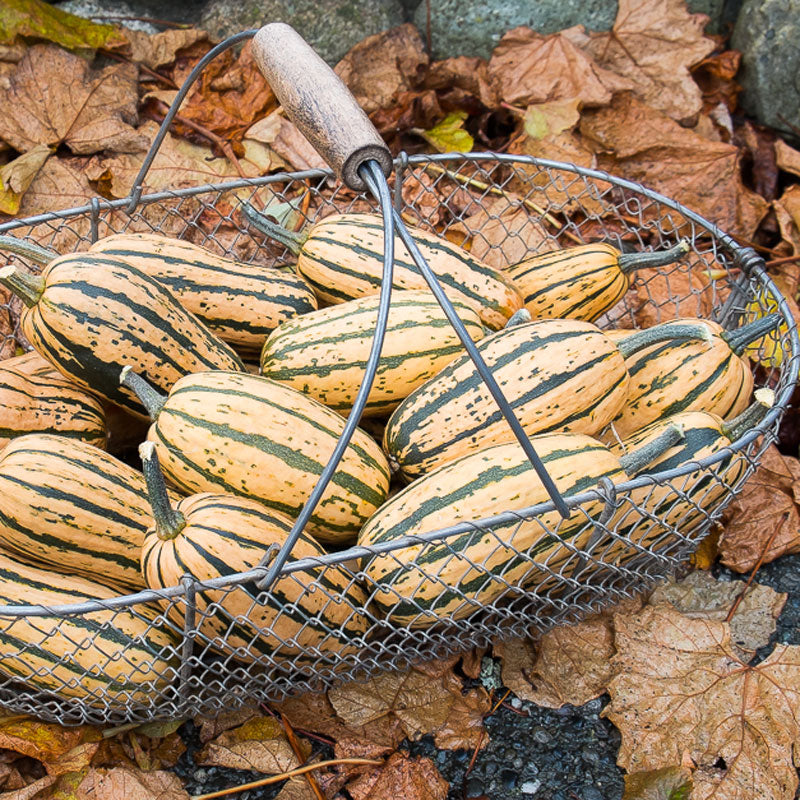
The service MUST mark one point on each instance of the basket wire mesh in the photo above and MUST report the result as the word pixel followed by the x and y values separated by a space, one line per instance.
pixel 630 535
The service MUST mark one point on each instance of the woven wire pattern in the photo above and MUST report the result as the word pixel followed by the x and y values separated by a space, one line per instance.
pixel 224 644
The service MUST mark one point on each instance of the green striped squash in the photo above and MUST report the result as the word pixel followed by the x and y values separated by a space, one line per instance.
pixel 342 258
pixel 421 584
pixel 702 375
pixel 212 535
pixel 558 375
pixel 30 363
pixel 41 402
pixel 324 354
pixel 74 508
pixel 241 303
pixel 90 316
pixel 582 282
pixel 252 437
pixel 104 656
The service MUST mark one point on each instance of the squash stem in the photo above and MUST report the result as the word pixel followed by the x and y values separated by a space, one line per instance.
pixel 663 333
pixel 519 317
pixel 739 338
pixel 152 400
pixel 25 285
pixel 169 521
pixel 628 262
pixel 30 250
pixel 737 427
pixel 635 461
pixel 294 241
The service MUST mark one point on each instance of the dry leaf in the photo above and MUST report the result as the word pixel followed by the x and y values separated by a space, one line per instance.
pixel 787 212
pixel 678 689
pixel 667 293
pixel 471 662
pixel 210 727
pixel 549 119
pixel 295 149
pixel 759 143
pixel 17 176
pixel 699 596
pixel 449 134
pixel 463 728
pixel 764 511
pixel 296 789
pixel 383 65
pixel 787 158
pixel 41 20
pixel 527 67
pixel 260 744
pixel 569 664
pixel 31 791
pixel 45 741
pixel 156 50
pixel 716 77
pixel 668 783
pixel 55 97
pixel 400 777
pixel 652 45
pixel 466 73
pixel 645 145
pixel 121 782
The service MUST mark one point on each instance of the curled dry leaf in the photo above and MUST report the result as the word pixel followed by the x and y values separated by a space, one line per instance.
pixel 156 50
pixel 471 74
pixel 699 596
pixel 679 689
pixel 17 176
pixel 715 76
pixel 527 67
pixel 765 510
pixel 260 744
pixel 787 212
pixel 759 143
pixel 400 777
pixel 383 65
pixel 652 45
pixel 637 142
pixel 45 741
pixel 294 148
pixel 55 97
pixel 38 790
pixel 787 158
pixel 210 727
pixel 121 782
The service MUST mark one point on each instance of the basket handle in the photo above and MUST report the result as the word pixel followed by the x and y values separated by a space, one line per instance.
pixel 319 103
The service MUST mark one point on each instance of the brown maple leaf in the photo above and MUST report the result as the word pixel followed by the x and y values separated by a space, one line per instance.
pixel 400 777
pixel 470 74
pixel 679 689
pixel 652 45
pixel 119 782
pixel 787 158
pixel 157 50
pixel 636 141
pixel 55 98
pixel 527 67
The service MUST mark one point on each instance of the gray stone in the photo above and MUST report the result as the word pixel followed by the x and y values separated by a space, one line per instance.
pixel 185 11
pixel 331 27
pixel 768 34
pixel 474 27
pixel 530 787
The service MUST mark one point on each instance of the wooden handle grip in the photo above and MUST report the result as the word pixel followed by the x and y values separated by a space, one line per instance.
pixel 317 101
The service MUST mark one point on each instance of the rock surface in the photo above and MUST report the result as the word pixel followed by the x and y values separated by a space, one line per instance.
pixel 768 34
pixel 332 27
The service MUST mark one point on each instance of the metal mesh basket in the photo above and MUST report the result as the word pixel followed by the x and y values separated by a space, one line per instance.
pixel 631 535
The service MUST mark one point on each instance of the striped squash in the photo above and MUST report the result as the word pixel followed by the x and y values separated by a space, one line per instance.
pixel 324 354
pixel 90 316
pixel 73 507
pixel 341 257
pixel 703 375
pixel 252 437
pixel 582 282
pixel 112 656
pixel 421 584
pixel 209 536
pixel 241 303
pixel 30 363
pixel 48 403
pixel 558 375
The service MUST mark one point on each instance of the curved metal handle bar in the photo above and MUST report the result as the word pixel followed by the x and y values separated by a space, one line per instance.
pixel 231 41
pixel 372 174
pixel 480 365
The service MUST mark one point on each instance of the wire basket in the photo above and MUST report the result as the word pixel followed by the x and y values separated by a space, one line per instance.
pixel 628 541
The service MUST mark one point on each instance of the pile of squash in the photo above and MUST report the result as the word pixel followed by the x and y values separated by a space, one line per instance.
pixel 149 338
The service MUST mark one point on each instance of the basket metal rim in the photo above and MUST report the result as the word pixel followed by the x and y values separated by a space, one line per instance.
pixel 751 266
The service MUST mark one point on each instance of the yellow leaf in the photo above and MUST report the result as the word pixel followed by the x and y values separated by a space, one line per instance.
pixel 449 134
pixel 550 119
pixel 17 176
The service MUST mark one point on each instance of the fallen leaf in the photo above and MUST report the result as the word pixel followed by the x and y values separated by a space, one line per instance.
pixel 30 791
pixel 156 50
pixel 295 149
pixel 667 293
pixel 76 760
pixel 260 744
pixel 787 212
pixel 17 176
pixel 549 119
pixel 383 65
pixel 296 789
pixel 412 110
pixel 471 74
pixel 41 20
pixel 463 728
pixel 707 551
pixel 644 145
pixel 527 68
pixel 45 741
pixel 787 158
pixel 210 727
pixel 569 663
pixel 121 782
pixel 471 662
pixel 700 596
pixel 652 45
pixel 449 134
pixel 678 688
pixel 716 77
pixel 764 511
pixel 758 143
pixel 55 97
pixel 424 202
pixel 401 777
pixel 668 783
